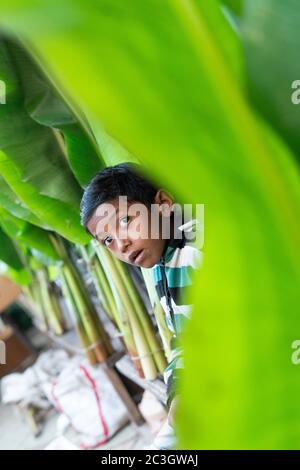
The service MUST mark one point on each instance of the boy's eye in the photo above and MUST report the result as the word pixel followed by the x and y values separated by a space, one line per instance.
pixel 106 241
pixel 124 220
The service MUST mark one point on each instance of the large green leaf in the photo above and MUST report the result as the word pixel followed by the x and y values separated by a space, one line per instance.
pixel 236 6
pixel 9 254
pixel 21 277
pixel 47 107
pixel 30 235
pixel 12 261
pixel 164 78
pixel 32 161
pixel 272 43
pixel 111 150
pixel 10 201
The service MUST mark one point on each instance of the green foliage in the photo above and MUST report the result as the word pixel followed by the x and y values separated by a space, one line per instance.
pixel 32 161
pixel 166 79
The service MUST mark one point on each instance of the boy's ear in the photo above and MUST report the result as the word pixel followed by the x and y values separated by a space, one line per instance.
pixel 165 201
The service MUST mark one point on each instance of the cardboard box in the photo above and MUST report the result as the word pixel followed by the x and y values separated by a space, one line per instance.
pixel 9 292
pixel 16 352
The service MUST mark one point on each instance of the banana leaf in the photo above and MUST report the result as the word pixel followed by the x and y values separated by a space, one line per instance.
pixel 21 277
pixel 47 107
pixel 166 79
pixel 32 161
pixel 12 204
pixel 271 40
pixel 9 253
pixel 28 234
pixel 236 6
pixel 11 262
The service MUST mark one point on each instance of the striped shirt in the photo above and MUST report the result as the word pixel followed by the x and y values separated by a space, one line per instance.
pixel 171 275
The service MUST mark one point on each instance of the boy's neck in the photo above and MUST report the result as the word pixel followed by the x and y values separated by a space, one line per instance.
pixel 177 238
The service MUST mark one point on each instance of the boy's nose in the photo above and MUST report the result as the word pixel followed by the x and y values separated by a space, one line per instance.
pixel 122 244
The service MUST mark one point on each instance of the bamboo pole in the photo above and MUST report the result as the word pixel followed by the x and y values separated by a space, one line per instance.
pixel 144 354
pixel 144 317
pixel 77 320
pixel 164 331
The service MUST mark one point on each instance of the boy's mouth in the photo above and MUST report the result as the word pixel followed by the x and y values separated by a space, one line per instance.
pixel 137 256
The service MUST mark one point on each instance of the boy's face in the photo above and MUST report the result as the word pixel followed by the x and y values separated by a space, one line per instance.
pixel 130 230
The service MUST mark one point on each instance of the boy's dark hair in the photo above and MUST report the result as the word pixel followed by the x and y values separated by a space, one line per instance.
pixel 124 179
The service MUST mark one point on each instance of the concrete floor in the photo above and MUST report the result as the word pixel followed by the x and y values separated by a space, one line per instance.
pixel 15 434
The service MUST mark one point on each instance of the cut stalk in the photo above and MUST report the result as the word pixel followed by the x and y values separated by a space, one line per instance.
pixel 143 350
pixel 77 320
pixel 164 331
pixel 93 267
pixel 89 317
pixel 85 315
pixel 37 306
pixel 47 303
pixel 145 320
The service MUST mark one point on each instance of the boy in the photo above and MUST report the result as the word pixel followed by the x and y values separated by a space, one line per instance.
pixel 141 225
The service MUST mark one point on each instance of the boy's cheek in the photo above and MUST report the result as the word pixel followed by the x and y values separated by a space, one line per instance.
pixel 138 231
pixel 156 248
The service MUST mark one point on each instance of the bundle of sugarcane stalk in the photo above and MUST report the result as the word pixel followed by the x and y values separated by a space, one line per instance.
pixel 46 303
pixel 128 312
pixel 116 291
pixel 88 324
pixel 158 311
pixel 41 289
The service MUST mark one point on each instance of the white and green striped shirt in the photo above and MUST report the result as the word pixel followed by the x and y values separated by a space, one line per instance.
pixel 171 275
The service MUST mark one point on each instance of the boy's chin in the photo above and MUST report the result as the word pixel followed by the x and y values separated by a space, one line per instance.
pixel 148 263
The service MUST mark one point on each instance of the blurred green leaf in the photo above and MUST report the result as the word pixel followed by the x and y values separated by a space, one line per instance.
pixel 166 80
pixel 272 43
pixel 42 259
pixel 236 6
pixel 21 277
pixel 8 253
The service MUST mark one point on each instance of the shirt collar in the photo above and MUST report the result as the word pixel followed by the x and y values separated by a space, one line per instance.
pixel 178 241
